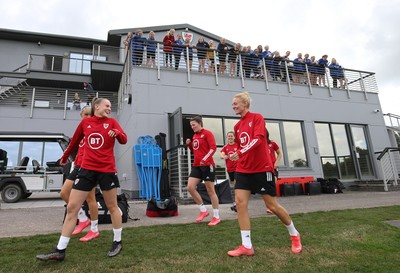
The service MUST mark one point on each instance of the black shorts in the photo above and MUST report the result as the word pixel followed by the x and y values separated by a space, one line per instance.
pixel 206 173
pixel 151 54
pixel 231 176
pixel 86 180
pixel 262 183
pixel 72 175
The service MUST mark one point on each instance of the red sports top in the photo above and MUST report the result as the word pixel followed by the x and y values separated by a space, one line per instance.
pixel 203 146
pixel 272 147
pixel 253 155
pixel 229 149
pixel 99 147
pixel 79 154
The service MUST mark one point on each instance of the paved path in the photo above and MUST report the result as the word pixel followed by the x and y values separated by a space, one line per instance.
pixel 42 213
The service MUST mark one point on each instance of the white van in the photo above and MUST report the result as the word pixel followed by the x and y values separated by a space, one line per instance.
pixel 28 164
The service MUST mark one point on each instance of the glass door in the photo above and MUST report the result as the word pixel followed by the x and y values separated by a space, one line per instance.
pixel 362 152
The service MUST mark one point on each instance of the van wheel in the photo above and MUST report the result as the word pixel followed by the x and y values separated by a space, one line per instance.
pixel 11 193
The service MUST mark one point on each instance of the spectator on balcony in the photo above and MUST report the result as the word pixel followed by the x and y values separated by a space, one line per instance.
pixel 188 52
pixel 90 92
pixel 128 39
pixel 255 63
pixel 202 47
pixel 178 49
pixel 313 69
pixel 289 65
pixel 246 61
pixel 211 57
pixel 336 72
pixel 322 64
pixel 138 43
pixel 232 58
pixel 268 58
pixel 276 64
pixel 151 50
pixel 168 40
pixel 76 102
pixel 307 62
pixel 298 66
pixel 222 51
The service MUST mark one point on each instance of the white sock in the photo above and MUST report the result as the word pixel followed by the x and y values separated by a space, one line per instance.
pixel 62 242
pixel 203 208
pixel 292 230
pixel 94 226
pixel 117 234
pixel 82 215
pixel 246 240
pixel 216 213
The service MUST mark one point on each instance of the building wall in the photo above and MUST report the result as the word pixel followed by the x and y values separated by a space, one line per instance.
pixel 153 100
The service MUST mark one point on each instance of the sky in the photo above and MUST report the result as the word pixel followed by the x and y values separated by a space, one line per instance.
pixel 361 35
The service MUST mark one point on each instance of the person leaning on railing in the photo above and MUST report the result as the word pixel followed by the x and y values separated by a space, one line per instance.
pixel 211 57
pixel 138 43
pixel 168 40
pixel 178 49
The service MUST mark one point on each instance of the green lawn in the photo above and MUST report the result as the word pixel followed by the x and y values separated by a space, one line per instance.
pixel 356 240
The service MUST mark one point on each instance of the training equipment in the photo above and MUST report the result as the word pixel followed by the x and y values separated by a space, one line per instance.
pixel 222 189
pixel 104 214
pixel 240 251
pixel 148 167
pixel 166 208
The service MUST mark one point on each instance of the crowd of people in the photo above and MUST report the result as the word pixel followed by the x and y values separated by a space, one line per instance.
pixel 252 161
pixel 235 61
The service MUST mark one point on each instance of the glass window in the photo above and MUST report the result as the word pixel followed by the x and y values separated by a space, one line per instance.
pixel 12 148
pixel 295 144
pixel 275 135
pixel 345 160
pixel 360 142
pixel 215 126
pixel 52 152
pixel 33 150
pixel 230 124
pixel 80 63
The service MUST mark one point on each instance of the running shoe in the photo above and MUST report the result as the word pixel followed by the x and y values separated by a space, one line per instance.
pixel 81 226
pixel 269 211
pixel 202 215
pixel 89 236
pixel 214 221
pixel 233 208
pixel 296 243
pixel 115 249
pixel 53 255
pixel 240 251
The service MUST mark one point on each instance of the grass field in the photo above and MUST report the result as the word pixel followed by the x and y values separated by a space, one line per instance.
pixel 355 240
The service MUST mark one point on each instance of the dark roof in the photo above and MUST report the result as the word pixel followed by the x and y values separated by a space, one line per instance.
pixel 18 35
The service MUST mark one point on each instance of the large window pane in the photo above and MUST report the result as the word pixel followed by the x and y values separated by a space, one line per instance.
pixel 346 163
pixel 275 135
pixel 229 124
pixel 52 152
pixel 362 149
pixel 295 144
pixel 12 148
pixel 215 126
pixel 324 140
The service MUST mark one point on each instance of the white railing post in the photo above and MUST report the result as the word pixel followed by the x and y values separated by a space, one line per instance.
pixel 287 77
pixel 215 67
pixel 66 103
pixel 241 70
pixel 265 74
pixel 308 79
pixel 33 101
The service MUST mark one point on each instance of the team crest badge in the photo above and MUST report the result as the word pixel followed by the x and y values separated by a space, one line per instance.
pixel 105 125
